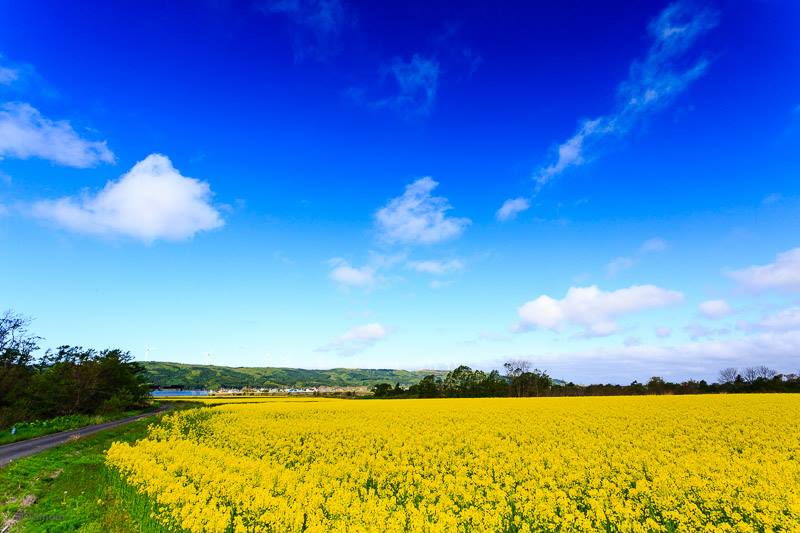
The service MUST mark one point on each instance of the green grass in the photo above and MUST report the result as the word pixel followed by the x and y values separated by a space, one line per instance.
pixel 38 428
pixel 73 489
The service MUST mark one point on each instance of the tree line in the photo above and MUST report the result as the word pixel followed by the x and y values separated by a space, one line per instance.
pixel 520 379
pixel 68 380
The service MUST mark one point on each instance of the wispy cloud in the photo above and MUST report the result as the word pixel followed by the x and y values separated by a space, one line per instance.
pixel 655 244
pixel 418 217
pixel 413 85
pixel 356 339
pixel 653 83
pixel 620 264
pixel 367 276
pixel 152 201
pixel 511 208
pixel 435 267
pixel 8 75
pixel 25 133
pixel 316 25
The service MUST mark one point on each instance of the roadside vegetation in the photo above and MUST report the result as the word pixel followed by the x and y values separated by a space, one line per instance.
pixel 65 382
pixel 68 488
pixel 48 426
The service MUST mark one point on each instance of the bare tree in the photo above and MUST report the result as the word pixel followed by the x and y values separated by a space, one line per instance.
pixel 728 375
pixel 15 340
pixel 749 374
pixel 516 367
pixel 764 372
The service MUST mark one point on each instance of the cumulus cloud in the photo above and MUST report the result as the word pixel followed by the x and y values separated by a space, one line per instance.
pixel 152 201
pixel 715 308
pixel 351 276
pixel 437 268
pixel 782 274
pixel 511 208
pixel 25 133
pixel 316 25
pixel 417 217
pixel 593 309
pixel 356 340
pixel 652 84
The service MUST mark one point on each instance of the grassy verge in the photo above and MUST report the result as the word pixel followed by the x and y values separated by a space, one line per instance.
pixel 38 428
pixel 68 488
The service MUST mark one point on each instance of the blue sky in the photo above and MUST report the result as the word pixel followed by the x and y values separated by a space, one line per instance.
pixel 610 191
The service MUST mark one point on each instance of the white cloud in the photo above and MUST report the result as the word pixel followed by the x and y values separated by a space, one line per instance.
pixel 352 276
pixel 416 217
pixel 695 360
pixel 592 308
pixel 715 308
pixel 25 133
pixel 437 268
pixel 152 201
pixel 656 244
pixel 356 339
pixel 784 320
pixel 618 265
pixel 662 332
pixel 782 274
pixel 511 208
pixel 438 284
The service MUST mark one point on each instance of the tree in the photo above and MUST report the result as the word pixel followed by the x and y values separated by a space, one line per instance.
pixel 428 387
pixel 656 385
pixel 382 390
pixel 515 368
pixel 17 347
pixel 728 375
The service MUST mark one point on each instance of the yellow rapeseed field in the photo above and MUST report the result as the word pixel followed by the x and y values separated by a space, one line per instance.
pixel 689 463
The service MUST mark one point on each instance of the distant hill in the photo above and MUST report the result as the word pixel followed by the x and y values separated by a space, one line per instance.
pixel 214 377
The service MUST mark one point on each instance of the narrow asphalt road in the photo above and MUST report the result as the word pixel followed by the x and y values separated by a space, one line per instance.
pixel 24 448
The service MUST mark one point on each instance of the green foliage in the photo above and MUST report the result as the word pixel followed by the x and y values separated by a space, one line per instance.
pixel 213 377
pixel 70 380
pixel 72 488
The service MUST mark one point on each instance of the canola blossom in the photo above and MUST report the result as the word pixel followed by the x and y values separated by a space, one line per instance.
pixel 688 463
